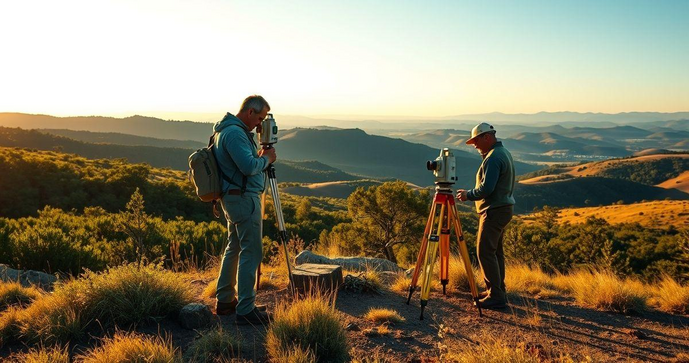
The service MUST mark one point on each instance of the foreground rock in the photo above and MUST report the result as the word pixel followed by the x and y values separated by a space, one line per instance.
pixel 195 316
pixel 27 277
pixel 348 263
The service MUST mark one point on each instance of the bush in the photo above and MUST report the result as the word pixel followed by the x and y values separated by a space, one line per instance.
pixel 216 345
pixel 13 293
pixel 311 325
pixel 133 348
pixel 121 296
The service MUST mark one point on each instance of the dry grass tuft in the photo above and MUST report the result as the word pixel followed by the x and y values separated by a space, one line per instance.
pixel 216 345
pixel 369 280
pixel 604 291
pixel 384 316
pixel 210 290
pixel 9 327
pixel 504 349
pixel 401 283
pixel 523 279
pixel 310 324
pixel 672 297
pixel 44 355
pixel 457 274
pixel 121 296
pixel 133 348
pixel 13 293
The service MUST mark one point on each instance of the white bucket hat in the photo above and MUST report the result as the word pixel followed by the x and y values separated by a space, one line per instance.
pixel 479 130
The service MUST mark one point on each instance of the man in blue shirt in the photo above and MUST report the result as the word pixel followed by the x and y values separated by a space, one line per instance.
pixel 243 164
pixel 494 199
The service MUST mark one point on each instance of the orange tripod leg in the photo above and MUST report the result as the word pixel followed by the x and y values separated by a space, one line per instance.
pixel 465 256
pixel 422 252
pixel 445 250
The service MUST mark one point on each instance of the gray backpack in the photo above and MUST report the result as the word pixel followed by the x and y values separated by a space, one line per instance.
pixel 206 176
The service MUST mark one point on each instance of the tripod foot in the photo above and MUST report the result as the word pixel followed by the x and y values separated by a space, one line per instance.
pixel 421 317
pixel 411 291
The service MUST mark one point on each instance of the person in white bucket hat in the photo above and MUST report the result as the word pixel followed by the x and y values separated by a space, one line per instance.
pixel 494 199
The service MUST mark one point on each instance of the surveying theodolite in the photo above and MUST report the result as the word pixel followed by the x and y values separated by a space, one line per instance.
pixel 267 136
pixel 442 218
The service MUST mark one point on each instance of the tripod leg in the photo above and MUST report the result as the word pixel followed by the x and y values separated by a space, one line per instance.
pixel 465 257
pixel 445 251
pixel 282 232
pixel 422 252
pixel 429 261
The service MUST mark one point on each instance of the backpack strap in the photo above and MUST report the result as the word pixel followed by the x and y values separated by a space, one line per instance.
pixel 211 141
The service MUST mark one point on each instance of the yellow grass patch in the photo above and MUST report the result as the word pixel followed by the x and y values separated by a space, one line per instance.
pixel 382 315
pixel 656 214
pixel 133 348
pixel 604 291
pixel 528 280
pixel 44 355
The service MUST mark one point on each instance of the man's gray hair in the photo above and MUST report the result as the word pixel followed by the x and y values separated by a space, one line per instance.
pixel 256 102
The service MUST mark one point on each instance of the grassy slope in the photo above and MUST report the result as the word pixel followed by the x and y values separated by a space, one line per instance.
pixel 656 214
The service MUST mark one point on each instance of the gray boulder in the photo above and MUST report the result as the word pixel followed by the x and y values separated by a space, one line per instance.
pixel 348 263
pixel 27 277
pixel 195 316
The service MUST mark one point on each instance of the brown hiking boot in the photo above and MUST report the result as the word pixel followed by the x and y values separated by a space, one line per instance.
pixel 254 317
pixel 230 308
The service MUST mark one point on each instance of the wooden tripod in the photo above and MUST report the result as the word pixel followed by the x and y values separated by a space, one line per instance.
pixel 436 236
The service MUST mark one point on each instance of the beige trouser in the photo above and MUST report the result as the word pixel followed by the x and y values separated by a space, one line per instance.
pixel 491 228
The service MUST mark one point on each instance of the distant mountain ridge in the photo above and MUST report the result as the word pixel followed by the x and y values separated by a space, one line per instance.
pixel 357 152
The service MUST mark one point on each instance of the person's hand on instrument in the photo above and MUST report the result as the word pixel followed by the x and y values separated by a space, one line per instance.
pixel 462 195
pixel 270 153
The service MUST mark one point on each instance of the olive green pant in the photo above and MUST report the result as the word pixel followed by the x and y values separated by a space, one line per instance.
pixel 491 229
pixel 244 251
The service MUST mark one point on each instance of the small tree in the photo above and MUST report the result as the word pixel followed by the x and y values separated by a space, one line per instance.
pixel 135 223
pixel 389 214
pixel 304 209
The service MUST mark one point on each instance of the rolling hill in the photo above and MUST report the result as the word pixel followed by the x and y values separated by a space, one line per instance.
pixel 123 139
pixel 134 125
pixel 589 191
pixel 174 158
pixel 651 169
pixel 357 152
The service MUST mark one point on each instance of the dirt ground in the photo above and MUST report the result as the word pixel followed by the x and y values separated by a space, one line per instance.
pixel 452 323
pixel 554 323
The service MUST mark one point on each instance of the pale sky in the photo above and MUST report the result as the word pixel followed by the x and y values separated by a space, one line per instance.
pixel 409 58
